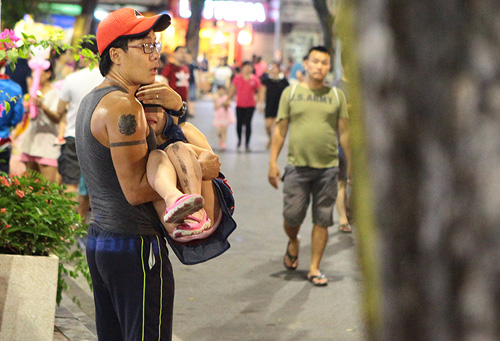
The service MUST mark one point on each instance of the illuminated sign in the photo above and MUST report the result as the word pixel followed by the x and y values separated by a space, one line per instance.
pixel 227 10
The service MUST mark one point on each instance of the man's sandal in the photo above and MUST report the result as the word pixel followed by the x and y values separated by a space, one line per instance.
pixel 316 280
pixel 345 228
pixel 183 206
pixel 292 259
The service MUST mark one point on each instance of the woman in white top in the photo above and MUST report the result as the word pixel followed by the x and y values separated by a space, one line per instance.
pixel 38 149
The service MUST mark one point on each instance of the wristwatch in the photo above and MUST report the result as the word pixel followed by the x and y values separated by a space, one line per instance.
pixel 181 112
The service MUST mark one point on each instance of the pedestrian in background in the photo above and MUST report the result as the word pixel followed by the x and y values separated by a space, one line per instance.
pixel 222 75
pixel 312 113
pixel 75 86
pixel 223 115
pixel 245 86
pixel 273 87
pixel 37 148
pixel 177 74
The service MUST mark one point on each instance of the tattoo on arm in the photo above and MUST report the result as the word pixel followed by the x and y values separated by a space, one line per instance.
pixel 127 124
pixel 129 143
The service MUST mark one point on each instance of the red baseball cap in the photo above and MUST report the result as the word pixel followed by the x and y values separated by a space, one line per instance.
pixel 127 22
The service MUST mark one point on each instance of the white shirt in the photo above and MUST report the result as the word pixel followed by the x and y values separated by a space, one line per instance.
pixel 222 73
pixel 76 86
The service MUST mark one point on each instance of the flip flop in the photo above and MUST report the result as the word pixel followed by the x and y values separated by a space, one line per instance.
pixel 315 280
pixel 183 206
pixel 346 228
pixel 292 259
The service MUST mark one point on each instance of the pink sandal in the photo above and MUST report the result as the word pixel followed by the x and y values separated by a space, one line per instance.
pixel 188 230
pixel 203 234
pixel 183 206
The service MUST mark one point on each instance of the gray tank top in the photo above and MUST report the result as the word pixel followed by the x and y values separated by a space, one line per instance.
pixel 110 209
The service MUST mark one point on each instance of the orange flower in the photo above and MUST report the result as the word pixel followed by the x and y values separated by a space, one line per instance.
pixel 3 210
pixel 7 226
pixel 20 193
pixel 30 187
pixel 4 181
pixel 15 181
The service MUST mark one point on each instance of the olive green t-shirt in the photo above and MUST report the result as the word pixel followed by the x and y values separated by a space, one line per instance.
pixel 313 119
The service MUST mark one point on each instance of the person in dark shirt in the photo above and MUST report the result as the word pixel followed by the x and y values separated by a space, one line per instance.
pixel 274 85
pixel 20 74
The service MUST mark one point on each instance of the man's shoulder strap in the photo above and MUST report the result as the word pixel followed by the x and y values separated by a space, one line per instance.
pixel 334 89
pixel 292 91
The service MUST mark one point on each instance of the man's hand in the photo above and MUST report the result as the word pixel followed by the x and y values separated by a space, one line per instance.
pixel 160 94
pixel 210 165
pixel 274 176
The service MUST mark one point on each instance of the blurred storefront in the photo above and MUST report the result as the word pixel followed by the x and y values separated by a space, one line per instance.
pixel 273 29
pixel 231 29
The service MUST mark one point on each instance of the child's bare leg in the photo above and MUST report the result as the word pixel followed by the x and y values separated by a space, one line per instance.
pixel 212 204
pixel 188 169
pixel 162 178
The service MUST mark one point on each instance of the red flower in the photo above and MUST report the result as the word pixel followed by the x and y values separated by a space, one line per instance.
pixel 7 226
pixel 5 182
pixel 15 181
pixel 20 193
pixel 3 210
pixel 30 187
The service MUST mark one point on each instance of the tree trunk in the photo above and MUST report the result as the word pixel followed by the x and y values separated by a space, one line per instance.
pixel 193 30
pixel 326 20
pixel 85 22
pixel 430 78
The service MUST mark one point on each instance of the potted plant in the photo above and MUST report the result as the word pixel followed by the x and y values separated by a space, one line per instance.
pixel 38 225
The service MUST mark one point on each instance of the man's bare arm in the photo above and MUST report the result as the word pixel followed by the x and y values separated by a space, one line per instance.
pixel 127 134
pixel 276 145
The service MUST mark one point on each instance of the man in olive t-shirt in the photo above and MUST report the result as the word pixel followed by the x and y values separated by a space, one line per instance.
pixel 312 113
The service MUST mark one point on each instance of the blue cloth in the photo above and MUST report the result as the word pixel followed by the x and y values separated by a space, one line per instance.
pixel 10 92
pixel 296 67
pixel 199 251
pixel 172 132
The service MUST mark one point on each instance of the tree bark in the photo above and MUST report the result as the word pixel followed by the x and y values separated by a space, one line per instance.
pixel 193 30
pixel 430 78
pixel 85 22
pixel 326 19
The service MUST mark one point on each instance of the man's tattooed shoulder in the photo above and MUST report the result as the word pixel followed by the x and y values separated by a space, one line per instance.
pixel 127 124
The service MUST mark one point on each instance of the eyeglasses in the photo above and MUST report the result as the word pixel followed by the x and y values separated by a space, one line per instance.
pixel 148 48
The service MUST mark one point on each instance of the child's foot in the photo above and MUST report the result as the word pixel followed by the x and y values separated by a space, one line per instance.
pixel 191 227
pixel 183 206
pixel 222 145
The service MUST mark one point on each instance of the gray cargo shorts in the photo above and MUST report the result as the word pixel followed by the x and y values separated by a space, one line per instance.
pixel 302 183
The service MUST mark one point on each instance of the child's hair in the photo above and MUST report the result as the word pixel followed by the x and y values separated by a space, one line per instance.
pixel 221 87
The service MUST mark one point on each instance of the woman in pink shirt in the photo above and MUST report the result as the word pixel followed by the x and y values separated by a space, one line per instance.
pixel 245 86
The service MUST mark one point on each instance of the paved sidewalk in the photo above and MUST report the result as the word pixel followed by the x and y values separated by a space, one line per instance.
pixel 246 294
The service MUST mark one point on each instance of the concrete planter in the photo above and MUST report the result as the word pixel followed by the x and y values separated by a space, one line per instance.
pixel 28 287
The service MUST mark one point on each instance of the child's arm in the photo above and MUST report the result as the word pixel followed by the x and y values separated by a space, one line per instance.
pixel 209 162
pixel 62 128
pixel 195 137
pixel 215 103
